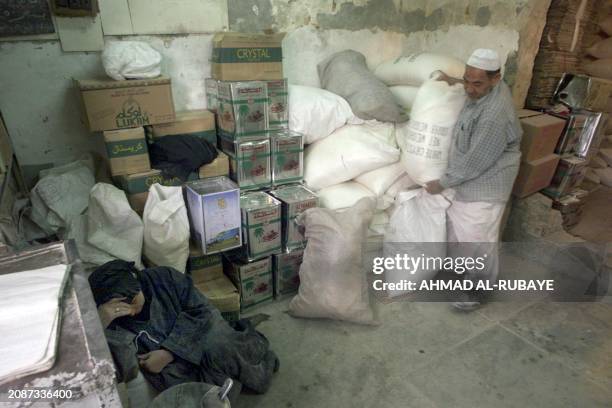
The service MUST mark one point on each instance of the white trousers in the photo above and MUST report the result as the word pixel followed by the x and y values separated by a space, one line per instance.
pixel 473 231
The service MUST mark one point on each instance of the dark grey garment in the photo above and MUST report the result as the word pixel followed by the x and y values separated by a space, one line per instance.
pixel 178 318
pixel 346 74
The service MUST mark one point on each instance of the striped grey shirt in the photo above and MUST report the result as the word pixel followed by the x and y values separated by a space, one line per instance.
pixel 485 150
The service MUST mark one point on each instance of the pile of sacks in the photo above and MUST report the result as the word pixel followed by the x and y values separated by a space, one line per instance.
pixel 359 143
pixel 67 202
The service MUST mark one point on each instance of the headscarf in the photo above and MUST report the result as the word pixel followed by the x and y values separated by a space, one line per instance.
pixel 114 279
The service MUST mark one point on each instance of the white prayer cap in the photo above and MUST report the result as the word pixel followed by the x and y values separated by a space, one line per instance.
pixel 484 58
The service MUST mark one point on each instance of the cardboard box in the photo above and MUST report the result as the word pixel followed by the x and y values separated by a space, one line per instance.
pixel 569 174
pixel 242 109
pixel 541 133
pixel 136 186
pixel 214 214
pixel 200 123
pixel 243 57
pixel 202 267
pixel 535 175
pixel 278 105
pixel 113 104
pixel 127 151
pixel 295 200
pixel 287 159
pixel 250 163
pixel 261 225
pixel 216 168
pixel 253 280
pixel 286 268
pixel 583 92
pixel 223 295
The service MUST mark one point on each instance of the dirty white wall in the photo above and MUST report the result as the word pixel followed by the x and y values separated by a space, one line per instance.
pixel 41 108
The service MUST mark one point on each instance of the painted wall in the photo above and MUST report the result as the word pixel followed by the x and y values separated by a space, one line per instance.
pixel 40 105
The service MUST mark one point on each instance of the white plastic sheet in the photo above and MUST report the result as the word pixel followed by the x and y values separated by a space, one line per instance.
pixel 130 60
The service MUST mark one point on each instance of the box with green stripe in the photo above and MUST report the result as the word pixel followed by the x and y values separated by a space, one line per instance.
pixel 242 108
pixel 287 157
pixel 247 56
pixel 261 225
pixel 127 151
pixel 198 123
pixel 250 164
pixel 278 106
pixel 295 199
pixel 253 279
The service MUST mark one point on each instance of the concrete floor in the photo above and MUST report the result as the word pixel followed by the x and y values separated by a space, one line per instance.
pixel 523 354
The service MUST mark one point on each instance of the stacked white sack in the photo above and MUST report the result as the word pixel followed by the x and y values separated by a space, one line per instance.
pixel 349 152
pixel 415 69
pixel 316 113
pixel 404 95
pixel 425 140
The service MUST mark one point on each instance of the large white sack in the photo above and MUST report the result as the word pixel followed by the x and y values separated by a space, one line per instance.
pixel 316 113
pixel 378 181
pixel 332 276
pixel 112 224
pixel 605 176
pixel 426 139
pixel 346 73
pixel 343 195
pixel 166 227
pixel 415 69
pixel 404 95
pixel 130 60
pixel 348 152
pixel 61 194
pixel 417 228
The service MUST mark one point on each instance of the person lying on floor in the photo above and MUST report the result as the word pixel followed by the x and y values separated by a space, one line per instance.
pixel 157 320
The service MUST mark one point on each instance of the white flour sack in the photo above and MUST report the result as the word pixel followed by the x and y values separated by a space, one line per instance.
pixel 317 113
pixel 425 140
pixel 404 95
pixel 348 152
pixel 415 69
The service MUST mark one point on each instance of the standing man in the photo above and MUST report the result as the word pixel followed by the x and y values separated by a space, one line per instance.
pixel 483 163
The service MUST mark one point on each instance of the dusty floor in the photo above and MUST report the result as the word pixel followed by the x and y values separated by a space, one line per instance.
pixel 522 354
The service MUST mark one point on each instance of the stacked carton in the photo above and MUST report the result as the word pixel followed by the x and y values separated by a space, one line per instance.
pixel 126 112
pixel 249 96
pixel 538 160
